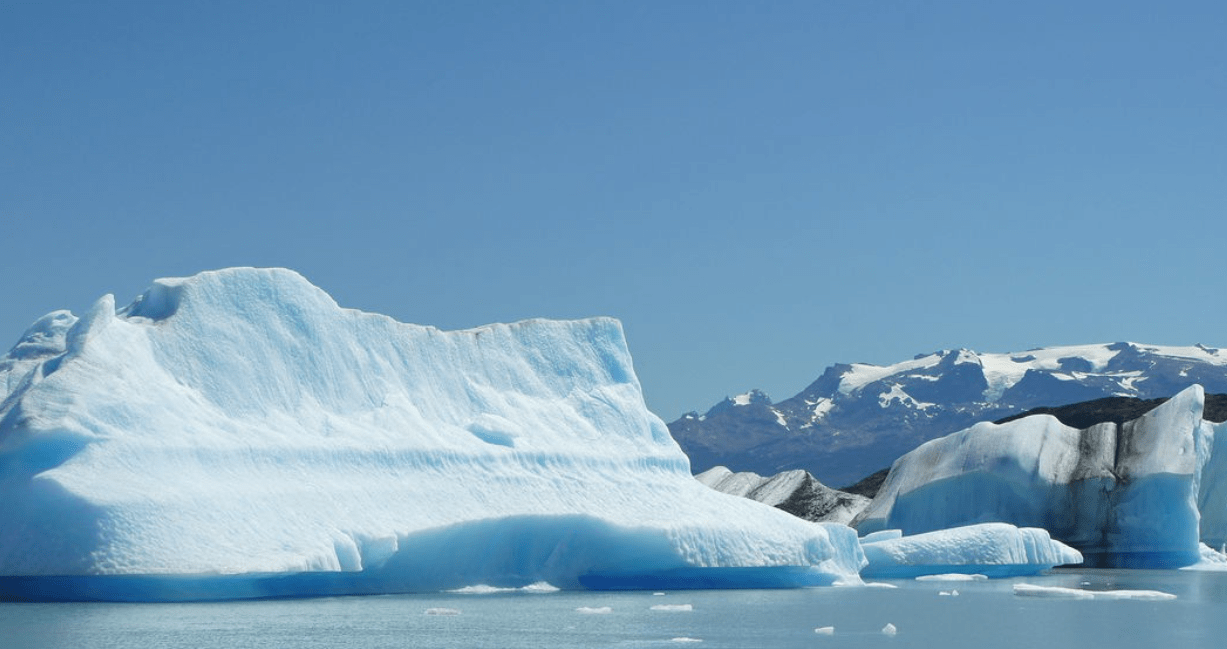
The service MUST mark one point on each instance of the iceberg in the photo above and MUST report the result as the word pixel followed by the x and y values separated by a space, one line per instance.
pixel 1137 495
pixel 237 434
pixel 970 552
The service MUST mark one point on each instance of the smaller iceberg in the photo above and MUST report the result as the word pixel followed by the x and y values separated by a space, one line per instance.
pixel 991 549
pixel 1059 592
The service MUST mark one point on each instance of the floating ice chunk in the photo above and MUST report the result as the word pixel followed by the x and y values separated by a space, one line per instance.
pixel 889 629
pixel 879 584
pixel 1136 495
pixel 825 630
pixel 685 639
pixel 238 434
pixel 949 593
pixel 594 610
pixel 989 549
pixel 442 611
pixel 1059 592
pixel 539 587
pixel 673 608
pixel 952 576
pixel 657 594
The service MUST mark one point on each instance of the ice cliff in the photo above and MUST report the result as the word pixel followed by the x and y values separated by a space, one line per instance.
pixel 237 434
pixel 1140 494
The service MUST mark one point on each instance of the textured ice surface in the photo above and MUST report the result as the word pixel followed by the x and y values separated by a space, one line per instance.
pixel 237 434
pixel 1126 496
pixel 988 549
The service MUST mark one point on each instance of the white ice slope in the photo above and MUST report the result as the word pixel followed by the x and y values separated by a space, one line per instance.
pixel 240 429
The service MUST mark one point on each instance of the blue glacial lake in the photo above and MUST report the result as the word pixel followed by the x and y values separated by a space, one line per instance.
pixel 983 614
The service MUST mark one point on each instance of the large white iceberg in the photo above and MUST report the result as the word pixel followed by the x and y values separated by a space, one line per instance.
pixel 1139 494
pixel 989 549
pixel 237 434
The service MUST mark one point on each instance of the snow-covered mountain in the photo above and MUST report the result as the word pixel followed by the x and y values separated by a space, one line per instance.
pixel 238 434
pixel 797 492
pixel 857 419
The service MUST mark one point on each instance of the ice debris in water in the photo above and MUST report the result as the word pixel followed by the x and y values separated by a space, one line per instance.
pixel 1059 592
pixel 686 639
pixel 594 610
pixel 674 608
pixel 952 577
pixel 825 630
pixel 442 611
pixel 889 629
pixel 539 587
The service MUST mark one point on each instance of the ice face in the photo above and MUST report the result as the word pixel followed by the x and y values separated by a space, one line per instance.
pixel 988 549
pixel 1126 496
pixel 238 434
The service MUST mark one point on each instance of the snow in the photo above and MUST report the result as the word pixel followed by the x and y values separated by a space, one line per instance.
pixel 1125 496
pixel 896 393
pixel 1002 371
pixel 1060 592
pixel 862 374
pixel 809 498
pixel 987 549
pixel 241 432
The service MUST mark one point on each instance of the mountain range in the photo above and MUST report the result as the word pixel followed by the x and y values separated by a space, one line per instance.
pixel 858 418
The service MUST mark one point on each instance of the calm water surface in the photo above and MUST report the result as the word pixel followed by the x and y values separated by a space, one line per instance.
pixel 984 614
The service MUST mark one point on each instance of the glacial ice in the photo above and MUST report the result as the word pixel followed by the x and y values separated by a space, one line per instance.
pixel 1061 592
pixel 237 434
pixel 1136 495
pixel 988 549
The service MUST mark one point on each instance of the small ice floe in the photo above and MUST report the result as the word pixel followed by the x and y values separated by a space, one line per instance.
pixel 594 610
pixel 1031 590
pixel 658 594
pixel 442 611
pixel 889 629
pixel 879 584
pixel 953 576
pixel 825 630
pixel 685 639
pixel 483 589
pixel 673 608
pixel 949 593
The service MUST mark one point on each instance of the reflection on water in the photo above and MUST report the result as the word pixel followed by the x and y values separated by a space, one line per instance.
pixel 984 614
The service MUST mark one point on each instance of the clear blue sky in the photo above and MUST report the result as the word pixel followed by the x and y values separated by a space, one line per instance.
pixel 758 190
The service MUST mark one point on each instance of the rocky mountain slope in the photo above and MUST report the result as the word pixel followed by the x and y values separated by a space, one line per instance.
pixel 858 418
pixel 796 492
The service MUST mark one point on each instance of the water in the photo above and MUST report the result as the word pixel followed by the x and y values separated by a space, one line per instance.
pixel 985 614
